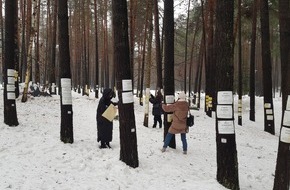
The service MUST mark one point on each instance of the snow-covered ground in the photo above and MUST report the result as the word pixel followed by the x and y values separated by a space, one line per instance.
pixel 33 157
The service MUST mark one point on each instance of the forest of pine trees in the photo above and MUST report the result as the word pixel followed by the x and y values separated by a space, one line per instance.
pixel 216 47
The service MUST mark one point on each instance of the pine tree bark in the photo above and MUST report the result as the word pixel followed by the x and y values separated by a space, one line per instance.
pixel 132 17
pixel 210 64
pixel 198 76
pixel 159 84
pixel 139 70
pixel 185 50
pixel 23 4
pixel 102 66
pixel 17 92
pixel 144 54
pixel 169 88
pixel 203 57
pixel 37 49
pixel 2 43
pixel 211 58
pixel 106 47
pixel 191 62
pixel 269 124
pixel 148 62
pixel 31 25
pixel 27 38
pixel 47 43
pixel 240 86
pixel 10 113
pixel 128 137
pixel 85 49
pixel 66 125
pixel 282 174
pixel 253 62
pixel 96 52
pixel 78 50
pixel 52 73
pixel 227 161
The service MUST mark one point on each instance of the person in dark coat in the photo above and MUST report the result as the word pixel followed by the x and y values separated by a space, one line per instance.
pixel 34 90
pixel 104 126
pixel 157 110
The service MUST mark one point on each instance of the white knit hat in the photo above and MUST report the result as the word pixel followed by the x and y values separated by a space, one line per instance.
pixel 181 95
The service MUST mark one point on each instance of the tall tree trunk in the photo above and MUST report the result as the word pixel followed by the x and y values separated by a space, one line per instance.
pixel 2 44
pixel 132 17
pixel 128 137
pixel 282 174
pixel 190 77
pixel 34 37
pixel 73 42
pixel 83 44
pixel 37 48
pixel 148 62
pixel 159 84
pixel 106 46
pixel 185 51
pixel 269 124
pixel 48 44
pixel 275 75
pixel 252 62
pixel 144 54
pixel 85 50
pixel 198 76
pixel 210 65
pixel 200 72
pixel 16 67
pixel 10 113
pixel 227 161
pixel 212 53
pixel 102 73
pixel 52 78
pixel 259 73
pixel 191 57
pixel 96 52
pixel 139 70
pixel 169 88
pixel 79 48
pixel 240 88
pixel 191 62
pixel 23 64
pixel 88 36
pixel 31 32
pixel 66 125
pixel 205 58
pixel 87 44
pixel 27 37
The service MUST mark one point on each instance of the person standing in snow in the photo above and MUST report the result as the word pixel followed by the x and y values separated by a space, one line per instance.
pixel 178 126
pixel 104 126
pixel 157 110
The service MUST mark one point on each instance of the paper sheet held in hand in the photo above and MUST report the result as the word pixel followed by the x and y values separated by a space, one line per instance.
pixel 110 112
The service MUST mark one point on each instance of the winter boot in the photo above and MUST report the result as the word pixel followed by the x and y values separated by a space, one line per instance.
pixel 103 145
pixel 108 144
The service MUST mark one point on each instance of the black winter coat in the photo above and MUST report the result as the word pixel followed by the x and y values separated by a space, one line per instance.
pixel 156 101
pixel 104 126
